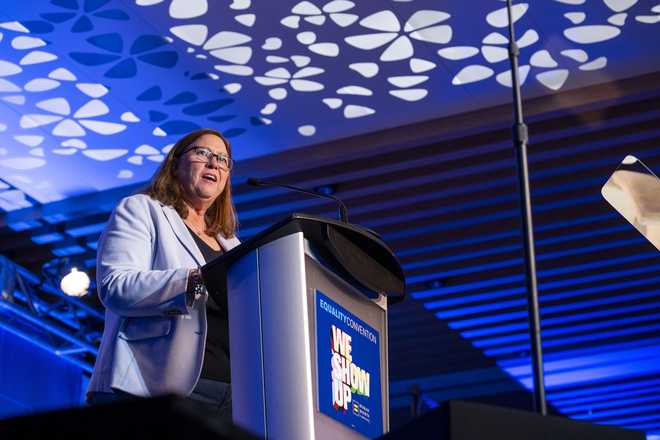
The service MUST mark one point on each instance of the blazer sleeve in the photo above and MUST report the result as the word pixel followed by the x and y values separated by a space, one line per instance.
pixel 126 283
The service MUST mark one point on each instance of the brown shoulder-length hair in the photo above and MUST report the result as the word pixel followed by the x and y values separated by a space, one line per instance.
pixel 165 187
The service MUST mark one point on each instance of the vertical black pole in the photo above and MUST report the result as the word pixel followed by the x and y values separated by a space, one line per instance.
pixel 520 144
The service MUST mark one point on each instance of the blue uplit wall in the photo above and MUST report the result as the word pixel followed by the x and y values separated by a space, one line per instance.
pixel 33 379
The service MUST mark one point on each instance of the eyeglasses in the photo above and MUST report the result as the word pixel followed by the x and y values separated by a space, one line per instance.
pixel 225 162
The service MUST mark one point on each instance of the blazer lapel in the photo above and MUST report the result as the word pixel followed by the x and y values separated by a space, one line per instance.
pixel 181 231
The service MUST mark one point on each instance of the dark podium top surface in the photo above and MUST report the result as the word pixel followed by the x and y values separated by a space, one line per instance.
pixel 357 254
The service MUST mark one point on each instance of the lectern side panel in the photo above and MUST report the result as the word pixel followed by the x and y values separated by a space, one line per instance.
pixel 246 345
pixel 286 341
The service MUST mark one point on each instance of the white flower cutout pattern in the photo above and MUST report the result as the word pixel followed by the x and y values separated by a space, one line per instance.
pixel 281 75
pixel 422 25
pixel 180 9
pixel 309 12
pixel 58 110
pixel 653 18
pixel 226 46
pixel 327 49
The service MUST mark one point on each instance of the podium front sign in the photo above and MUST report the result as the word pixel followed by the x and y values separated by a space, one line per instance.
pixel 348 352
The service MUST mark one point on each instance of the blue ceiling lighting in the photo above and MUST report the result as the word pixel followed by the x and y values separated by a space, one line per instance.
pixel 24 226
pixel 69 250
pixel 47 238
pixel 86 230
pixel 326 189
pixel 56 218
pixel 500 330
pixel 457 385
pixel 85 86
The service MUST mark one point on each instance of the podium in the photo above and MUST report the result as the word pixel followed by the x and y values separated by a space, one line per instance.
pixel 307 302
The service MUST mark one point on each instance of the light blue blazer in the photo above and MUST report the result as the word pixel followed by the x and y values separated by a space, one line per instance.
pixel 153 343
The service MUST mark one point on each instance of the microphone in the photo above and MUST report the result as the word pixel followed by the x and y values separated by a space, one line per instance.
pixel 343 212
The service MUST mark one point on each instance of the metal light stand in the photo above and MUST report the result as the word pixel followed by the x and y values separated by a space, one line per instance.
pixel 520 138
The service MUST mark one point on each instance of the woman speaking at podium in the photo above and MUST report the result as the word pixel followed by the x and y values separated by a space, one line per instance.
pixel 163 333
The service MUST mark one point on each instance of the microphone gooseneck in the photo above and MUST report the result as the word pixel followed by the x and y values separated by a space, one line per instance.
pixel 343 212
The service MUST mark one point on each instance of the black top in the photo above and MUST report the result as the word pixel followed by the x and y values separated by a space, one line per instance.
pixel 216 353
